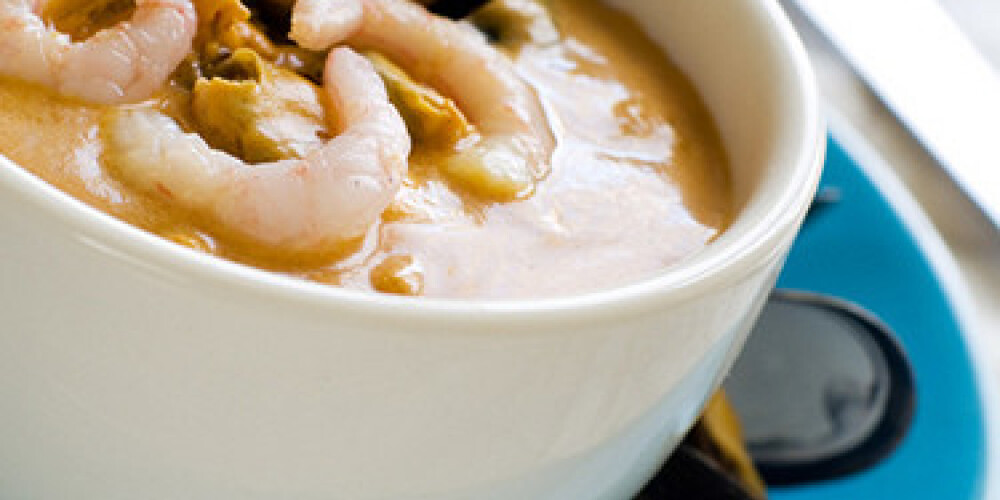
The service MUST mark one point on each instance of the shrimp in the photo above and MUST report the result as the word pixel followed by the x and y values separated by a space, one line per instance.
pixel 454 58
pixel 294 207
pixel 125 63
pixel 319 24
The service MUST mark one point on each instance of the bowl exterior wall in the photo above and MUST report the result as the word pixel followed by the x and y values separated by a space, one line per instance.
pixel 118 379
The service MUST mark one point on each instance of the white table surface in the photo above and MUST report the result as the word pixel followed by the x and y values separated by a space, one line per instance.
pixel 973 241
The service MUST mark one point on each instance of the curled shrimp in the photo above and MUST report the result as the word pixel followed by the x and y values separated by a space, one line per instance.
pixel 319 24
pixel 125 63
pixel 454 58
pixel 311 205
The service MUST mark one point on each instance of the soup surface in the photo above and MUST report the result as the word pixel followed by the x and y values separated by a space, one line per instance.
pixel 637 180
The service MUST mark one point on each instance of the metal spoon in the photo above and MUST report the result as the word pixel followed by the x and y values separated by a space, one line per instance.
pixel 823 389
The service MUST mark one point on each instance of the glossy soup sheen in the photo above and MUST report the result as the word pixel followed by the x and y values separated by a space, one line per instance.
pixel 638 181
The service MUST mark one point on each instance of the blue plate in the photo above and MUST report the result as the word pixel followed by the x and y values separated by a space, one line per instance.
pixel 861 250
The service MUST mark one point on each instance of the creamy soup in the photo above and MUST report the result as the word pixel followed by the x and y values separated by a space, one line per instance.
pixel 636 179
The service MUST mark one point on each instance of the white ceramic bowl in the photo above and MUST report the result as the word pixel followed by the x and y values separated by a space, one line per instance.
pixel 134 369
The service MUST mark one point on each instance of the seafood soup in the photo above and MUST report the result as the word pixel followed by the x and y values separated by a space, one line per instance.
pixel 537 148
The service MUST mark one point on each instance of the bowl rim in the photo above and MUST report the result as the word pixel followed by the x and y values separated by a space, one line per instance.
pixel 692 277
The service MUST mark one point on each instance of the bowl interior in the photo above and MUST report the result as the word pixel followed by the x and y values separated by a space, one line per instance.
pixel 746 62
pixel 750 68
